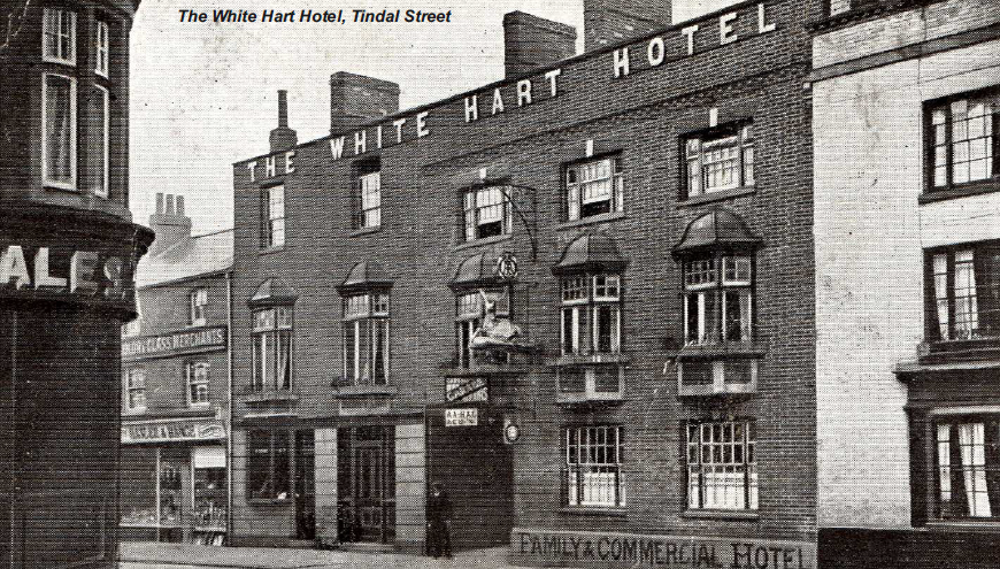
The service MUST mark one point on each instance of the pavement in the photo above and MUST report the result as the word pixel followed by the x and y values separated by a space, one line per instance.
pixel 136 555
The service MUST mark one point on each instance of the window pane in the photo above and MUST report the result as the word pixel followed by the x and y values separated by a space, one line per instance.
pixel 60 130
pixel 966 306
pixel 99 144
pixel 941 295
pixel 259 464
pixel 725 475
pixel 282 466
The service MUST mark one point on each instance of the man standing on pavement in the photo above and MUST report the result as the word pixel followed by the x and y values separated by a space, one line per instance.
pixel 438 522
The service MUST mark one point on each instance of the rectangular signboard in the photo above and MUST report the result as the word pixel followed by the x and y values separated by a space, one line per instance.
pixel 175 343
pixel 467 417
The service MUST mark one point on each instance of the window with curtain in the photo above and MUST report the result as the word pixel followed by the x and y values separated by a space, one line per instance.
pixel 965 292
pixel 963 141
pixel 59 131
pixel 591 314
pixel 717 300
pixel 594 187
pixel 968 468
pixel 366 338
pixel 592 475
pixel 272 349
pixel 722 469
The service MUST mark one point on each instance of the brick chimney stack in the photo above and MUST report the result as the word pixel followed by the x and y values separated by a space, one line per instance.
pixel 355 99
pixel 283 138
pixel 608 22
pixel 531 42
pixel 169 223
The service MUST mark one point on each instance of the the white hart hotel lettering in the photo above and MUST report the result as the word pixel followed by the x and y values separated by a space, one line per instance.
pixel 522 93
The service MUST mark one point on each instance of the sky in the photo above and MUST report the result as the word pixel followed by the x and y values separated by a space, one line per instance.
pixel 204 95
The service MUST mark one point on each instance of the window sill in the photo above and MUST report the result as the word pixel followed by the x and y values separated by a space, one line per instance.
pixel 60 187
pixel 570 360
pixel 481 242
pixel 365 231
pixel 268 501
pixel 971 189
pixel 574 399
pixel 594 511
pixel 716 196
pixel 973 526
pixel 736 515
pixel 271 395
pixel 356 391
pixel 271 250
pixel 600 218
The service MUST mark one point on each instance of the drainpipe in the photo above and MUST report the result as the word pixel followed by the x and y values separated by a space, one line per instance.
pixel 229 406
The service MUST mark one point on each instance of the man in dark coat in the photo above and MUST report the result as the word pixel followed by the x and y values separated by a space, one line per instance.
pixel 438 522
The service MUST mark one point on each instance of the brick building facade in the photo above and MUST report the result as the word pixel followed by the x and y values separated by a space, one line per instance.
pixel 175 386
pixel 68 250
pixel 652 365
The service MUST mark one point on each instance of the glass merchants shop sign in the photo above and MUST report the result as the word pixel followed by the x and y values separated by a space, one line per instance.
pixel 175 343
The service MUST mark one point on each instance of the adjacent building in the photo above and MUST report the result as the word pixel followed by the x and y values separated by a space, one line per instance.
pixel 906 109
pixel 68 249
pixel 176 385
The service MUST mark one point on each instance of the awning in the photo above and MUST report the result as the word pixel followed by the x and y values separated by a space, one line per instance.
pixel 365 275
pixel 718 229
pixel 273 291
pixel 591 252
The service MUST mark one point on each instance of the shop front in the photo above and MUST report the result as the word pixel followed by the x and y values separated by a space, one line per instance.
pixel 174 481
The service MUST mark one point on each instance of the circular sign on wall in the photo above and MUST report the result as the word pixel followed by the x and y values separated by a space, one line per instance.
pixel 506 267
pixel 511 432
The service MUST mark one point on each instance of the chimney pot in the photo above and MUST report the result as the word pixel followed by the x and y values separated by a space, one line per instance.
pixel 282 137
pixel 159 202
pixel 179 205
pixel 169 210
pixel 169 223
pixel 282 108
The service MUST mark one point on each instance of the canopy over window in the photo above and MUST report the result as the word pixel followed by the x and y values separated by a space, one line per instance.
pixel 365 275
pixel 273 291
pixel 717 230
pixel 591 252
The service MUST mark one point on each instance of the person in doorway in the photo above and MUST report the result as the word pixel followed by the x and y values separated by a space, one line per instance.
pixel 438 522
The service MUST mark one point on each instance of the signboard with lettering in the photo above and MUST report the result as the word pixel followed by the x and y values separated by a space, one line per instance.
pixel 466 417
pixel 172 431
pixel 466 389
pixel 176 343
pixel 612 550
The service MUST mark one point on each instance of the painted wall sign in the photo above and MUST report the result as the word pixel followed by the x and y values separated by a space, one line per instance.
pixel 613 550
pixel 466 389
pixel 175 343
pixel 174 431
pixel 468 417
pixel 63 271
pixel 521 93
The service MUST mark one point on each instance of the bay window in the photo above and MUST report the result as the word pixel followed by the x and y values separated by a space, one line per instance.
pixel 272 349
pixel 591 314
pixel 59 37
pixel 717 300
pixel 721 466
pixel 720 159
pixel 592 474
pixel 59 131
pixel 965 292
pixel 594 187
pixel 366 338
pixel 486 212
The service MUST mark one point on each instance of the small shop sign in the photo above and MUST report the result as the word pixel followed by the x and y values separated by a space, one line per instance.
pixel 173 431
pixel 466 389
pixel 468 417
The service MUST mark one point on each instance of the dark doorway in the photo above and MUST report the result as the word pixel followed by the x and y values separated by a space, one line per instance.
pixel 305 485
pixel 475 467
pixel 367 483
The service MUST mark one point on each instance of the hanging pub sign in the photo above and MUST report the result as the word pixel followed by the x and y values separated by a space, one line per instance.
pixel 465 417
pixel 466 389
